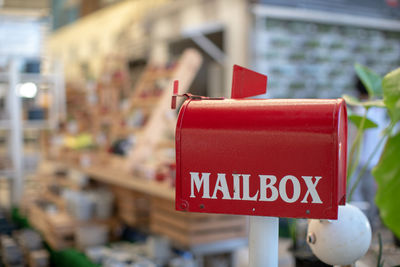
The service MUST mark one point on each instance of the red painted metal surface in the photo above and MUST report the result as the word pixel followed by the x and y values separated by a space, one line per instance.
pixel 175 95
pixel 270 157
pixel 246 83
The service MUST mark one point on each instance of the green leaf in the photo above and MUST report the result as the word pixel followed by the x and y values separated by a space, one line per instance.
pixel 371 80
pixel 356 120
pixel 391 93
pixel 353 101
pixel 387 176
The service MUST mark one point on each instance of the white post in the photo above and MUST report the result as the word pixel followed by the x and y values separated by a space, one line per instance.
pixel 263 241
pixel 16 135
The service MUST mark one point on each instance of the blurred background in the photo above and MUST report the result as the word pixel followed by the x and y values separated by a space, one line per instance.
pixel 87 137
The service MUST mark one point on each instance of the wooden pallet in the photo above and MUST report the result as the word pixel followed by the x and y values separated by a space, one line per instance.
pixel 189 229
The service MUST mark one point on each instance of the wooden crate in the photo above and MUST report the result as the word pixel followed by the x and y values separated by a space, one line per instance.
pixel 132 207
pixel 190 229
pixel 38 258
pixel 57 229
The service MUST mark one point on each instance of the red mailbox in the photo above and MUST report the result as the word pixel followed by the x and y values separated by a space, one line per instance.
pixel 264 157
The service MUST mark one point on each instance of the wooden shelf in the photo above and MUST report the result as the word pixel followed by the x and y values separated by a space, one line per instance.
pixel 145 102
pixel 118 177
pixel 128 131
pixel 26 124
pixel 61 181
pixel 167 144
pixel 29 77
pixel 59 201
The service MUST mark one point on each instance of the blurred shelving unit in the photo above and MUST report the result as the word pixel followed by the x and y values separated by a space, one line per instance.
pixel 22 120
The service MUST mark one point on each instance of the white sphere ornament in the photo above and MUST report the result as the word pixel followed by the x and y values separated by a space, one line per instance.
pixel 342 241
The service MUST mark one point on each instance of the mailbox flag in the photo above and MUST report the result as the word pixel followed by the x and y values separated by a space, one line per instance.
pixel 247 83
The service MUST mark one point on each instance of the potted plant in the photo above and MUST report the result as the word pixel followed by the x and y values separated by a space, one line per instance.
pixel 388 168
pixel 382 93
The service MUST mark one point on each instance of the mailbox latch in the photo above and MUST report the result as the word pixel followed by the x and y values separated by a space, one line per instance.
pixel 189 96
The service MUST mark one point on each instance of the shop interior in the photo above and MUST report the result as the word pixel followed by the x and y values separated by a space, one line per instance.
pixel 92 156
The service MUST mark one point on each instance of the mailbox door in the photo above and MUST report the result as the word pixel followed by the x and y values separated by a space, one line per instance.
pixel 281 158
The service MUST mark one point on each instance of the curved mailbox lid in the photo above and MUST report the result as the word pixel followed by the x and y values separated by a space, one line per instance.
pixel 274 157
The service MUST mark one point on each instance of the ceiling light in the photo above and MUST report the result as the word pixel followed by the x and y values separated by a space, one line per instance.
pixel 27 90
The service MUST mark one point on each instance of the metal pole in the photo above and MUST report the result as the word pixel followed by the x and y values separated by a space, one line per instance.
pixel 263 241
pixel 60 110
pixel 15 135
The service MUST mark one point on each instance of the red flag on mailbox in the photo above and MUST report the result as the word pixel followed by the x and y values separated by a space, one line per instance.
pixel 247 83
